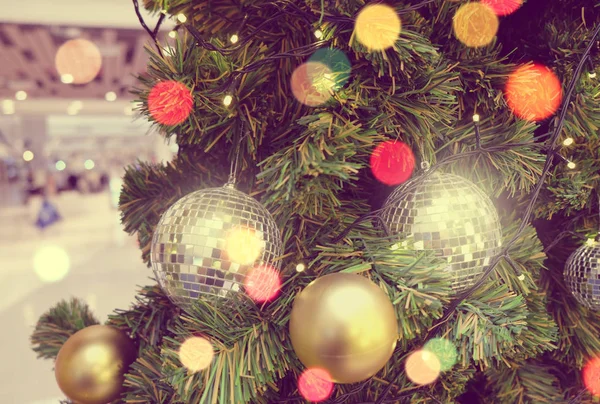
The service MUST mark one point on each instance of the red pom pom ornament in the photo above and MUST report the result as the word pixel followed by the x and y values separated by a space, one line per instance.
pixel 392 162
pixel 503 7
pixel 170 102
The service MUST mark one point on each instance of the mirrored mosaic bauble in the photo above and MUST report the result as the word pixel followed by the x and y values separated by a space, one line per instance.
pixel 450 215
pixel 582 275
pixel 207 241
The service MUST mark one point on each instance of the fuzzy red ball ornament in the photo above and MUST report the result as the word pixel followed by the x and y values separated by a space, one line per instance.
pixel 392 162
pixel 170 102
pixel 503 7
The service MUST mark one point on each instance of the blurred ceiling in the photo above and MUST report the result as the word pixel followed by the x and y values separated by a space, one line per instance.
pixel 28 53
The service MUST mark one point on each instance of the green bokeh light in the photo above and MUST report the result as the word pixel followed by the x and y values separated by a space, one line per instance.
pixel 444 350
pixel 338 64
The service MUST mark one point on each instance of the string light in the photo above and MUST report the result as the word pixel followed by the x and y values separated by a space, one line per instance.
pixel 476 118
pixel 300 267
pixel 319 34
pixel 592 75
pixel 227 100
pixel 181 18
pixel 234 38
pixel 571 165
pixel 568 141
pixel 173 34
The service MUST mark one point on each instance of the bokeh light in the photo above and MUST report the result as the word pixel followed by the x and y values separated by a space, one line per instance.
pixel 234 38
pixel 591 376
pixel 311 83
pixel 318 34
pixel 244 245
pixel 60 165
pixel 227 100
pixel 422 367
pixel 89 164
pixel 315 385
pixel 444 350
pixel 28 155
pixel 78 61
pixel 51 263
pixel 338 66
pixel 568 141
pixel 262 283
pixel 110 96
pixel 533 92
pixel 196 353
pixel 21 95
pixel 300 267
pixel 503 7
pixel 392 162
pixel 377 27
pixel 8 107
pixel 475 24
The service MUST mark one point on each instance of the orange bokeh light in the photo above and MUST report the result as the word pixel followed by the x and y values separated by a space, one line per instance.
pixel 315 385
pixel 533 92
pixel 591 376
pixel 79 59
pixel 312 83
pixel 262 283
pixel 422 367
pixel 475 24
pixel 503 7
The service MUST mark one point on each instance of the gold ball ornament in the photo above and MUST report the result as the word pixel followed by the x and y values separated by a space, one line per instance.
pixel 91 365
pixel 345 324
pixel 475 24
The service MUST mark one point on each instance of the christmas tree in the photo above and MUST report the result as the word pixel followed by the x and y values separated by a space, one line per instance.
pixel 441 154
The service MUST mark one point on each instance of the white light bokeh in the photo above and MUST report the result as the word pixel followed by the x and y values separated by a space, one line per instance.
pixel 51 263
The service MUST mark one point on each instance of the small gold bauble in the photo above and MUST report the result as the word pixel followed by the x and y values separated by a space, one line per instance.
pixel 91 365
pixel 345 324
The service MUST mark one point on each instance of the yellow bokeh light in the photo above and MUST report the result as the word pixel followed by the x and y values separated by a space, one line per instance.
pixel 172 34
pixel 196 353
pixel 28 155
pixel 21 95
pixel 244 246
pixel 377 27
pixel 51 263
pixel 475 24
pixel 66 78
pixel 422 367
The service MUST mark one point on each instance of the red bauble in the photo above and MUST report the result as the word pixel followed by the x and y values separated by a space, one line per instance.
pixel 503 7
pixel 591 376
pixel 533 92
pixel 392 162
pixel 170 102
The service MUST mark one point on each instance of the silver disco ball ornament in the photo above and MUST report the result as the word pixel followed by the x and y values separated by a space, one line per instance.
pixel 582 274
pixel 449 215
pixel 207 241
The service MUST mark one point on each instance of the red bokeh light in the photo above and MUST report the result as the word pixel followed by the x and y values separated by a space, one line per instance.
pixel 170 102
pixel 315 385
pixel 392 162
pixel 533 92
pixel 591 376
pixel 262 283
pixel 503 7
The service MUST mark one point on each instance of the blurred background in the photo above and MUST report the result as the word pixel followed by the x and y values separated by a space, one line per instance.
pixel 67 129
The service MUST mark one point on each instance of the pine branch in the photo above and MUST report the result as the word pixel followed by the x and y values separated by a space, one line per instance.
pixel 57 324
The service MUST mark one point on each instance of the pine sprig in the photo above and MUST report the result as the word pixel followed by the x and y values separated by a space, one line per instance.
pixel 57 324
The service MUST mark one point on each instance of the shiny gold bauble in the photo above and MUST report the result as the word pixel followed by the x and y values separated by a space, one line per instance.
pixel 91 365
pixel 345 324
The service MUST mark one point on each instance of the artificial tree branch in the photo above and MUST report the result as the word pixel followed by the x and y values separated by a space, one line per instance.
pixel 154 33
